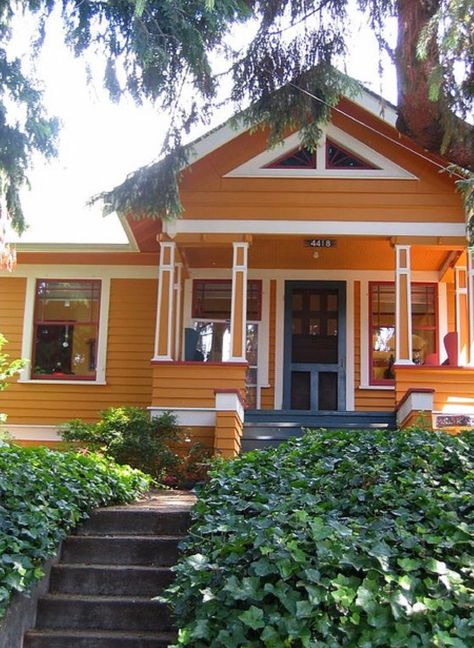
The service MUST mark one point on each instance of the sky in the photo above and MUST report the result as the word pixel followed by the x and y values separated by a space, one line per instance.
pixel 101 142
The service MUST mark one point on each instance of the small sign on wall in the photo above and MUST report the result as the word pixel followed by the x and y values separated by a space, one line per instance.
pixel 320 243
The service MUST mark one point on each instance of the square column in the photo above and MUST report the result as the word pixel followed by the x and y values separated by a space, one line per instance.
pixel 470 299
pixel 238 316
pixel 462 313
pixel 165 334
pixel 403 332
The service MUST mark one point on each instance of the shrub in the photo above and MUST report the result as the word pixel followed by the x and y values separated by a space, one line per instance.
pixel 43 494
pixel 341 538
pixel 129 435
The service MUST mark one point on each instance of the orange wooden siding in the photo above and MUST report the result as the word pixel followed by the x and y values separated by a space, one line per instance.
pixel 228 434
pixel 366 399
pixel 193 384
pixel 431 198
pixel 129 350
pixel 268 393
pixel 454 386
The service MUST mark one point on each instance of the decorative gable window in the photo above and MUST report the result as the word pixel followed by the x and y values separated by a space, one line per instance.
pixel 66 325
pixel 300 158
pixel 338 157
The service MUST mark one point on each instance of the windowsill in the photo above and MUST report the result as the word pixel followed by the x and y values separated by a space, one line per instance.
pixel 32 381
pixel 378 387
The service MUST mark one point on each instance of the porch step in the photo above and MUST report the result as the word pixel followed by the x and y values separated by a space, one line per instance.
pixel 101 591
pixel 268 428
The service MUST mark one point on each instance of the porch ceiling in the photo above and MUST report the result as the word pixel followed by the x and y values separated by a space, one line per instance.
pixel 290 252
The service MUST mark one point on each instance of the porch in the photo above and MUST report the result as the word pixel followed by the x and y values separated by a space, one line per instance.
pixel 286 331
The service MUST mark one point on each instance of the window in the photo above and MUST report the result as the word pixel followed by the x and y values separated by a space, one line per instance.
pixel 212 300
pixel 301 158
pixel 382 327
pixel 339 158
pixel 66 321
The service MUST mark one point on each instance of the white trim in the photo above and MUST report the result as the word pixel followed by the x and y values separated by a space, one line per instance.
pixel 350 347
pixel 128 232
pixel 470 284
pixel 236 270
pixel 403 271
pixel 28 326
pixel 168 268
pixel 73 247
pixel 388 170
pixel 364 335
pixel 32 432
pixel 263 341
pixel 442 320
pixel 313 228
pixel 188 416
pixel 178 287
pixel 279 342
pixel 458 291
pixel 378 387
pixel 229 402
pixel 415 402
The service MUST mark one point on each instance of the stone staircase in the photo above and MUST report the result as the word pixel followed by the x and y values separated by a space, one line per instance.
pixel 101 589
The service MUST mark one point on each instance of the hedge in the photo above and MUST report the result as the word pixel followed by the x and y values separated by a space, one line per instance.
pixel 341 538
pixel 43 494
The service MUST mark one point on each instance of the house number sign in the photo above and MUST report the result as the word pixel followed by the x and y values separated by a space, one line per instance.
pixel 320 243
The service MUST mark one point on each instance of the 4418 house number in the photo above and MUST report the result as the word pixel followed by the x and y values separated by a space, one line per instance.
pixel 320 243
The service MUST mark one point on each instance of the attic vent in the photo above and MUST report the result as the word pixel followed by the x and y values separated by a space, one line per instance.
pixel 300 158
pixel 338 158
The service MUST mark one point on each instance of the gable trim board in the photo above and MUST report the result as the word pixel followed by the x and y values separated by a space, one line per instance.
pixel 313 227
pixel 258 166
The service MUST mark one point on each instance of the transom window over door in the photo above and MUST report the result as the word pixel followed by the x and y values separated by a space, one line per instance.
pixel 382 327
pixel 66 325
pixel 211 309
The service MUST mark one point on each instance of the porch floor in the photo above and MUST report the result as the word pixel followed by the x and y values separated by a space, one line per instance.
pixel 269 428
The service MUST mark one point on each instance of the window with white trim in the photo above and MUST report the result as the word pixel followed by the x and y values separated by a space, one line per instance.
pixel 382 328
pixel 66 329
pixel 211 309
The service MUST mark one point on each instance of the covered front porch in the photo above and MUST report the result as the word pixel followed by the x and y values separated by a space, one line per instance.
pixel 273 329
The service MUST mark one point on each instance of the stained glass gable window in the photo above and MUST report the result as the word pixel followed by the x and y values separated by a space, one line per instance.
pixel 339 158
pixel 300 158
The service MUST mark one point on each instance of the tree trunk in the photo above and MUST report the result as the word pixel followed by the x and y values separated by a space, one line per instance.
pixel 430 123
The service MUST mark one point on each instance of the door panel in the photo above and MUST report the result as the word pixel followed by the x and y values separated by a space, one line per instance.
pixel 314 346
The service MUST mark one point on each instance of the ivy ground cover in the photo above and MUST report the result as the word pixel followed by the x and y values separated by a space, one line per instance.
pixel 342 538
pixel 43 494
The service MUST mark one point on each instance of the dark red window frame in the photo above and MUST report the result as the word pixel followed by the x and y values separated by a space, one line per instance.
pixel 42 322
pixel 363 165
pixel 255 284
pixel 391 381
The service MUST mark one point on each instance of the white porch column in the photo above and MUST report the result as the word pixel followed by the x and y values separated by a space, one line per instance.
pixel 238 316
pixel 178 310
pixel 403 333
pixel 470 299
pixel 164 336
pixel 462 314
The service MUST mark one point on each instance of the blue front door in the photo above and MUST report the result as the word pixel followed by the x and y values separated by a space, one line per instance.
pixel 315 346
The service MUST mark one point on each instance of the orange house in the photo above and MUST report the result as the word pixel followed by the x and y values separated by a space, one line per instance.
pixel 332 288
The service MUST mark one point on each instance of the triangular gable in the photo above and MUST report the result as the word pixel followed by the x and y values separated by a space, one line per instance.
pixel 339 155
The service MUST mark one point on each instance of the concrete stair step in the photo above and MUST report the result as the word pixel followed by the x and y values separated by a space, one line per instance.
pixel 161 551
pixel 109 580
pixel 128 614
pixel 96 639
pixel 139 521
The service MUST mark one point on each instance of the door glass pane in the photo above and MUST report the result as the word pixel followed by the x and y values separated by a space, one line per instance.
pixel 327 391
pixel 332 326
pixel 300 390
pixel 315 327
pixel 332 302
pixel 297 301
pixel 297 326
pixel 315 301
